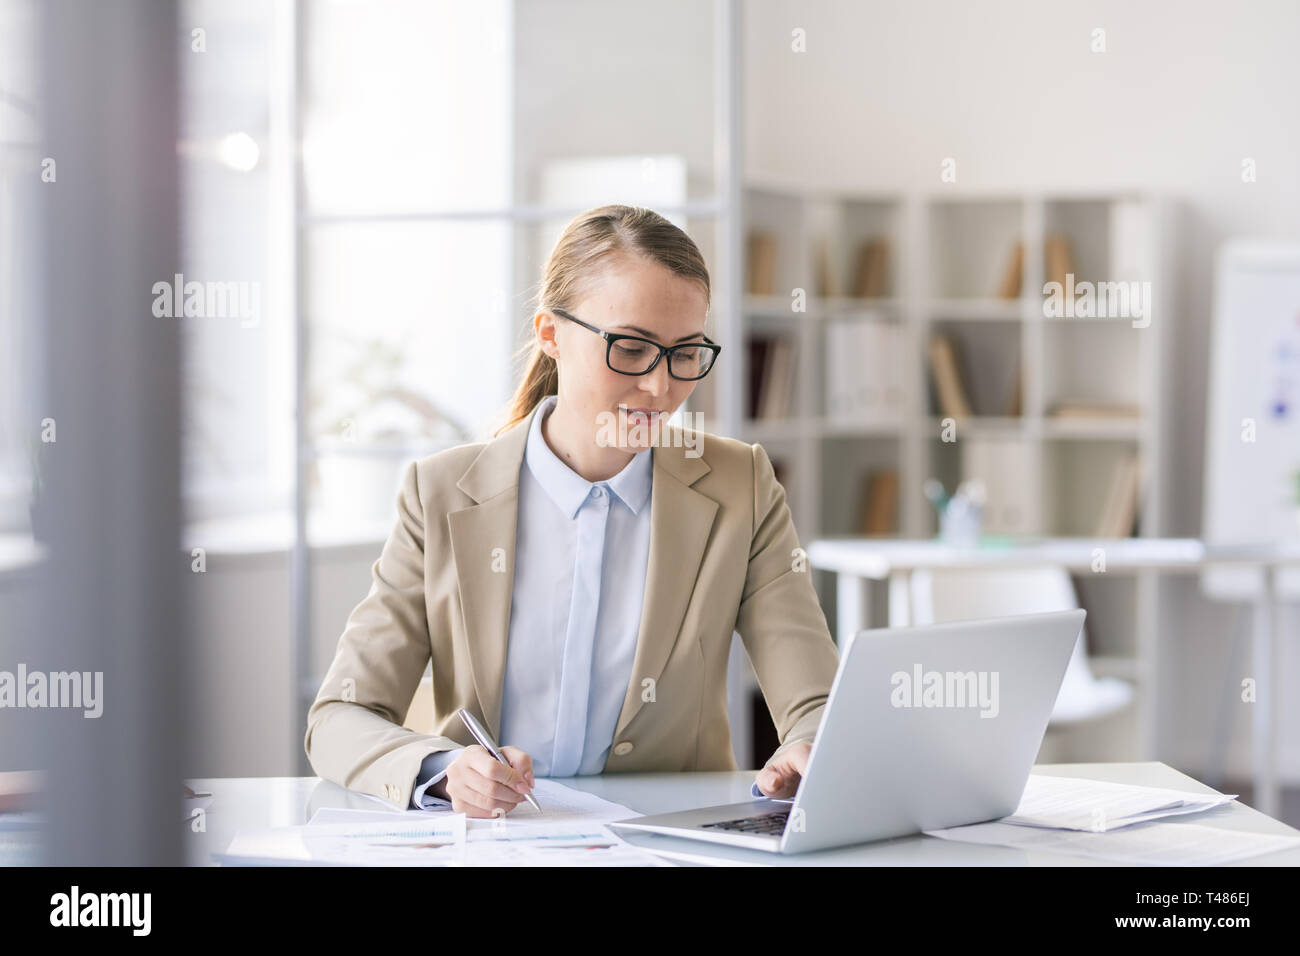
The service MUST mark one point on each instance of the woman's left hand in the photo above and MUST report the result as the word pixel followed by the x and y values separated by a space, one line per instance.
pixel 780 777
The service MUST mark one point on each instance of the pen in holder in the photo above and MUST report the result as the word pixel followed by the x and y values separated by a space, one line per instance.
pixel 960 515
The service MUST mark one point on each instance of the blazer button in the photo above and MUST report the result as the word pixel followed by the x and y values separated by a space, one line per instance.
pixel 623 748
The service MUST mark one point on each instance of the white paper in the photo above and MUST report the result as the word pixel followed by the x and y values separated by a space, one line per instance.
pixel 566 804
pixel 569 831
pixel 400 841
pixel 1147 844
pixel 1075 803
pixel 538 843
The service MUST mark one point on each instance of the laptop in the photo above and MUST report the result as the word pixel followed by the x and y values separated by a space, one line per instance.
pixel 925 727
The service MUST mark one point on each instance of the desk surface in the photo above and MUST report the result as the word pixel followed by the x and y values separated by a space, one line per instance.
pixel 242 803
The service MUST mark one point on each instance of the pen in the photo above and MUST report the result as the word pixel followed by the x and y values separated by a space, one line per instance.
pixel 485 739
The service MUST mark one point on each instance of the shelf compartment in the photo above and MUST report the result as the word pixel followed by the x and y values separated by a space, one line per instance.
pixel 853 248
pixel 972 243
pixel 988 358
pixel 855 485
pixel 1078 477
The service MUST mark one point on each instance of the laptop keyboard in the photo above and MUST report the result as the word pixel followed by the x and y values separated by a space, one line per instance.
pixel 765 824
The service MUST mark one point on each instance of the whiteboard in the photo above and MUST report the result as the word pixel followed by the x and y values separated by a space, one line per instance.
pixel 1252 446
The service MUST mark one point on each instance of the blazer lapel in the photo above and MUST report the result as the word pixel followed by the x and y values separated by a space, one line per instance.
pixel 681 519
pixel 485 577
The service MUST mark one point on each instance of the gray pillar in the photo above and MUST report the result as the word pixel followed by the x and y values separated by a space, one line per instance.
pixel 111 590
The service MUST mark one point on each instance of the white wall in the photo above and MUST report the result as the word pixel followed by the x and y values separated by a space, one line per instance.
pixel 1010 89
pixel 597 78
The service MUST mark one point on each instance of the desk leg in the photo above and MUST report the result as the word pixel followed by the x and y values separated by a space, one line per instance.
pixel 1267 627
pixel 900 598
pixel 1148 673
pixel 852 605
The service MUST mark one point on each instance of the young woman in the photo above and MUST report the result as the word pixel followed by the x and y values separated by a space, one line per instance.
pixel 577 579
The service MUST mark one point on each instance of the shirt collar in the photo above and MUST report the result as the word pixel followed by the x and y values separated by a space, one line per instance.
pixel 566 487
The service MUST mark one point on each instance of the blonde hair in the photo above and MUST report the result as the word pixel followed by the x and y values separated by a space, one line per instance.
pixel 589 243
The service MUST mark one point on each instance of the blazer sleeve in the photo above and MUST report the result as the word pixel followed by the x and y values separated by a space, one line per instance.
pixel 780 619
pixel 354 733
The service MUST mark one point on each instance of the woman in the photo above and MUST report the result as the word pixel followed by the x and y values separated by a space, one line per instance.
pixel 577 579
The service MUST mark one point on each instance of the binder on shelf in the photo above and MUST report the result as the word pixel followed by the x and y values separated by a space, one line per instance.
pixel 864 370
pixel 1003 465
pixel 839 372
pixel 946 372
pixel 891 364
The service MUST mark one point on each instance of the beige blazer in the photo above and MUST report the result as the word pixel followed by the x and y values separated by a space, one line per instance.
pixel 723 558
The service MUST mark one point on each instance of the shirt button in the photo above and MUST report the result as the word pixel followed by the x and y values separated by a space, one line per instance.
pixel 598 491
pixel 623 748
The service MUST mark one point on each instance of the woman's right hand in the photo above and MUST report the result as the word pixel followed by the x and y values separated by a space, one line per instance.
pixel 479 785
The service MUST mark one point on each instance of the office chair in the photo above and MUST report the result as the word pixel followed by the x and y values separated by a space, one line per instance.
pixel 940 596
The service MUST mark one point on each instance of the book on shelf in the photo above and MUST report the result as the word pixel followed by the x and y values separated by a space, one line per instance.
pixel 871 277
pixel 1012 275
pixel 1058 260
pixel 771 376
pixel 823 270
pixel 1120 509
pixel 778 384
pixel 1016 402
pixel 761 255
pixel 945 368
pixel 864 371
pixel 878 514
pixel 757 346
pixel 1085 409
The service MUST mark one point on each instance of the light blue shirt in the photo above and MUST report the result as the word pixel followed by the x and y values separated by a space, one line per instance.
pixel 581 554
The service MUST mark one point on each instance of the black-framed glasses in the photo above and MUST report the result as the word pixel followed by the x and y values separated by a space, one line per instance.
pixel 633 355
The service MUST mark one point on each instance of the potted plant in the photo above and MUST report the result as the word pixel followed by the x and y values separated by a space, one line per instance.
pixel 368 424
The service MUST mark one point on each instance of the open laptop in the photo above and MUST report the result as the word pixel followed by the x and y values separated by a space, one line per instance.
pixel 925 727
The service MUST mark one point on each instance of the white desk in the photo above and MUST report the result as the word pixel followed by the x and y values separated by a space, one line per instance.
pixel 259 802
pixel 859 560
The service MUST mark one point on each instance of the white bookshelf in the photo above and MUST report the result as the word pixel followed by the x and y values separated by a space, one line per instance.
pixel 947 255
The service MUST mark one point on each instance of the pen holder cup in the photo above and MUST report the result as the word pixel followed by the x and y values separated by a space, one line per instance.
pixel 959 524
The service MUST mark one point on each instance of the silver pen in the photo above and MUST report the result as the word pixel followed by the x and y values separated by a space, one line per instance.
pixel 485 739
